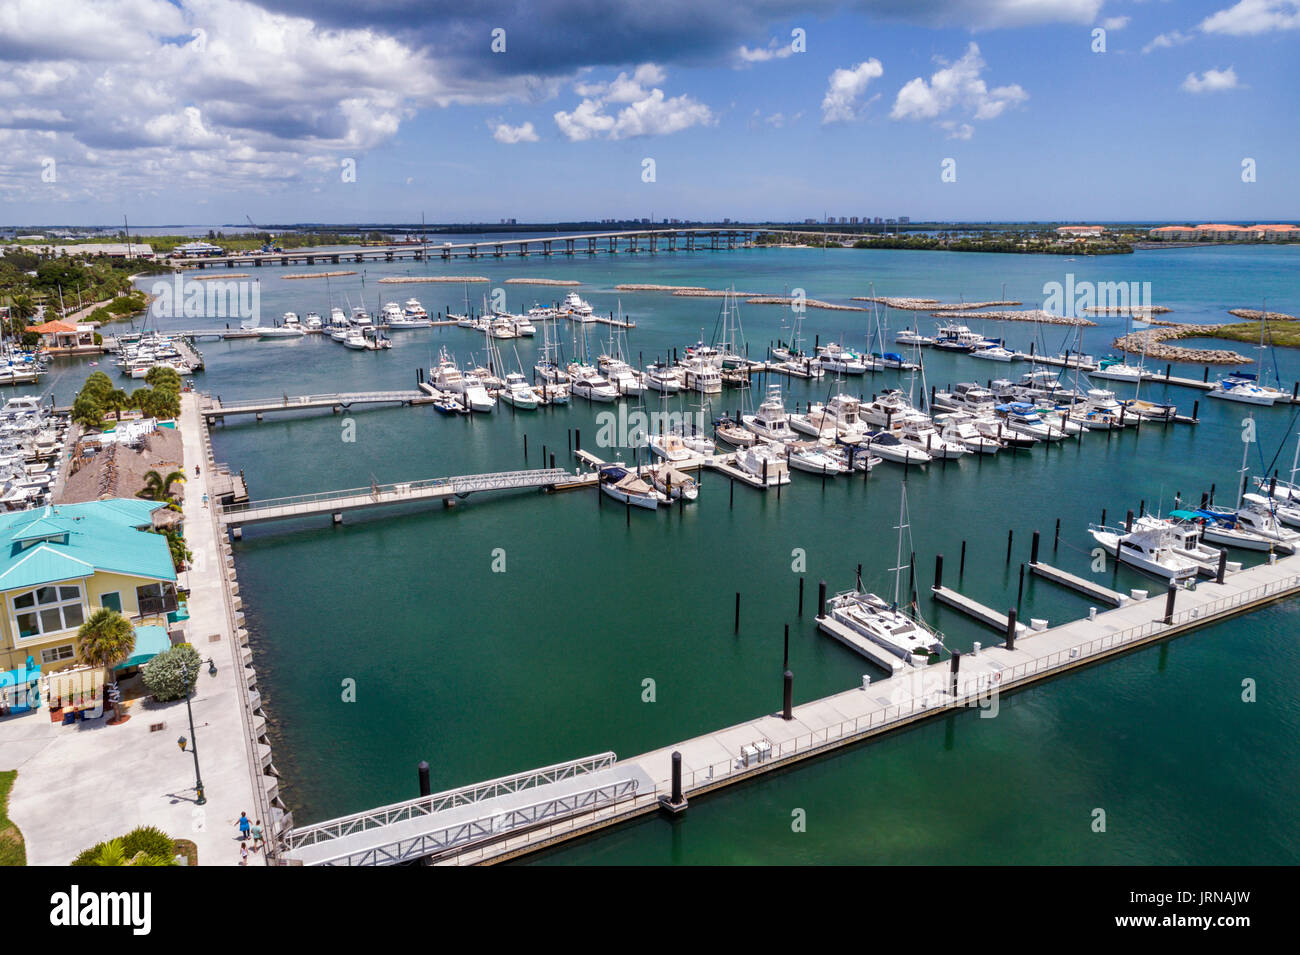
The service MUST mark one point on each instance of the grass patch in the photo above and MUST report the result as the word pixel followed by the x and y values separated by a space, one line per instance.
pixel 12 849
pixel 1284 334
pixel 186 848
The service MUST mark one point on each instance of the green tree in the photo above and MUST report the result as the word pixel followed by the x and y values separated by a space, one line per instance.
pixel 117 401
pixel 87 412
pixel 104 640
pixel 163 677
pixel 158 488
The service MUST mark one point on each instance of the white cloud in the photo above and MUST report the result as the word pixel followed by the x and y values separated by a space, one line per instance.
pixel 956 86
pixel 1250 17
pixel 1212 81
pixel 845 87
pixel 763 54
pixel 505 133
pixel 1115 23
pixel 648 113
pixel 132 101
pixel 957 130
pixel 1167 40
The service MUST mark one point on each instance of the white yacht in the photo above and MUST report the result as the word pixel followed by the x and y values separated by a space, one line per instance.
pixel 1186 539
pixel 958 427
pixel 1117 369
pixel 766 462
pixel 1152 549
pixel 702 375
pixel 835 357
pixel 518 392
pixel 839 417
pixel 919 432
pixel 674 484
pixel 313 322
pixel 625 486
pixel 887 445
pixel 587 382
pixel 576 308
pixel 354 339
pixel 663 378
pixel 1244 387
pixel 772 422
pixel 677 446
pixel 361 318
pixel 967 396
pixel 622 376
pixel 813 457
pixel 911 336
pixel 992 351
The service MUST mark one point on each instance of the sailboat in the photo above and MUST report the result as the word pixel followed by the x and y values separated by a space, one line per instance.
pixel 1248 387
pixel 905 639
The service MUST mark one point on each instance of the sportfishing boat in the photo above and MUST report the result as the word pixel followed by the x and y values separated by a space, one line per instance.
pixel 958 427
pixel 524 328
pixel 390 313
pixel 446 376
pixel 500 326
pixel 623 485
pixel 702 375
pixel 412 315
pixel 814 458
pixel 674 484
pixel 766 462
pixel 887 445
pixel 886 409
pixel 575 308
pixel 838 418
pixel 312 322
pixel 414 310
pixel 663 378
pixel 355 340
pixel 587 382
pixel 1186 539
pixel 771 422
pixel 911 336
pixel 518 392
pixel 361 318
pixel 1153 550
pixel 1222 527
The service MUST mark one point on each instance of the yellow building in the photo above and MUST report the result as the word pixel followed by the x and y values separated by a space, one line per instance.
pixel 59 564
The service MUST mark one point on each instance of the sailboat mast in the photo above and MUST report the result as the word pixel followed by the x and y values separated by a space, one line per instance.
pixel 1245 451
pixel 898 560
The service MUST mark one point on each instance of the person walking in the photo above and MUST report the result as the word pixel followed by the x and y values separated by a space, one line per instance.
pixel 243 853
pixel 244 826
pixel 256 832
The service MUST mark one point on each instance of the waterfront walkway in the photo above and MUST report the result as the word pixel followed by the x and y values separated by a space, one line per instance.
pixel 78 785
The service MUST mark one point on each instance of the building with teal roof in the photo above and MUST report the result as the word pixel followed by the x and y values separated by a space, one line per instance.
pixel 61 563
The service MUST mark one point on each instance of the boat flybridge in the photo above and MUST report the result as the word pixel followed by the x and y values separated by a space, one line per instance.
pixel 1155 550
pixel 771 422
pixel 837 418
pixel 1186 539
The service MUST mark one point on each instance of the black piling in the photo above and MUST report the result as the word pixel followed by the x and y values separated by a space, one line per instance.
pixel 677 778
pixel 1056 539
pixel 1169 602
pixel 1128 523
pixel 785 664
pixel 737 628
pixel 938 571
pixel 961 567
pixel 821 598
pixel 956 665
pixel 1033 549
pixel 1020 588
pixel 525 449
pixel 1010 535
pixel 1223 567
pixel 1011 629
pixel 787 712
pixel 426 788
pixel 577 439
pixel 801 596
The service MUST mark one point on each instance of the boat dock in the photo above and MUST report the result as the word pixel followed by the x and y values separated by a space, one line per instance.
pixel 1086 587
pixel 860 644
pixel 975 610
pixel 475 829
pixel 214 409
pixel 335 503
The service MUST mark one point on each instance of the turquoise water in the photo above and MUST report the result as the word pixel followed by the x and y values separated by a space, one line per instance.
pixel 487 673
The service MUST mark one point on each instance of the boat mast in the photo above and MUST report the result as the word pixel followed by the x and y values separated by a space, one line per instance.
pixel 898 562
pixel 1245 450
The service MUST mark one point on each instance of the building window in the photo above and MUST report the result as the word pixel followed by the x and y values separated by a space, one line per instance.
pixel 111 601
pixel 156 599
pixel 48 610
pixel 57 654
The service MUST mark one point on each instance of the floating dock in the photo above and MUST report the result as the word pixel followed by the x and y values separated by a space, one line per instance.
pixel 860 644
pixel 975 610
pixel 214 409
pixel 1080 584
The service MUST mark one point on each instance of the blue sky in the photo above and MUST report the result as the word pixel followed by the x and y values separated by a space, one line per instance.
pixel 209 110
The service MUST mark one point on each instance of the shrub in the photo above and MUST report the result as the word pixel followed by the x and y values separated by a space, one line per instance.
pixel 150 840
pixel 162 674
pixel 143 846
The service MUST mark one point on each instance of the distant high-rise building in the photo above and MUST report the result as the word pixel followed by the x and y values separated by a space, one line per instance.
pixel 877 220
pixel 853 220
pixel 844 220
pixel 904 220
pixel 809 221
pixel 891 222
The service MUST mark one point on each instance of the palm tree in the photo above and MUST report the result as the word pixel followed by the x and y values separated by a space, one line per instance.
pixel 106 639
pixel 158 488
pixel 116 401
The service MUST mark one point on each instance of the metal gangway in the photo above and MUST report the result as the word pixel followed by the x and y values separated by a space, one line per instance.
pixel 380 495
pixel 213 409
pixel 450 821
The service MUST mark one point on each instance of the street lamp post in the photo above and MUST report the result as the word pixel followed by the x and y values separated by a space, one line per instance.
pixel 194 744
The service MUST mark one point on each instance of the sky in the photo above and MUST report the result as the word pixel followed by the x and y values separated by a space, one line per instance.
pixel 208 111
